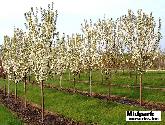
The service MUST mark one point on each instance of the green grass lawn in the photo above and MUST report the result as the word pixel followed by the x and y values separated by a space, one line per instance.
pixel 147 94
pixel 7 118
pixel 154 79
pixel 150 78
pixel 81 108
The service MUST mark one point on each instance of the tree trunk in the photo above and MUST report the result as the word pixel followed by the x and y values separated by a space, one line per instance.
pixel 130 74
pixel 74 84
pixel 60 81
pixel 25 91
pixel 90 82
pixel 140 89
pixel 79 76
pixel 16 90
pixel 29 79
pixel 102 77
pixel 135 83
pixel 8 89
pixel 54 77
pixel 135 79
pixel 123 71
pixel 42 101
pixel 115 70
pixel 5 88
pixel 159 64
pixel 109 84
pixel 69 75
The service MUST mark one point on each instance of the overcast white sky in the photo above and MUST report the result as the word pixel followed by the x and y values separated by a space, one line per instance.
pixel 71 13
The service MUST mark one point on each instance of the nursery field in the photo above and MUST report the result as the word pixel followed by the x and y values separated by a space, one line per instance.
pixel 48 77
pixel 92 110
pixel 122 84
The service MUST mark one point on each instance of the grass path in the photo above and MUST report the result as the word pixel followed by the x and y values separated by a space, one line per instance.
pixel 7 118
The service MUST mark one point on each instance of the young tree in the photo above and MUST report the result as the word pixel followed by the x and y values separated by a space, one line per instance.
pixel 41 29
pixel 108 33
pixel 22 49
pixel 142 40
pixel 89 46
pixel 7 61
pixel 15 49
pixel 61 59
pixel 74 52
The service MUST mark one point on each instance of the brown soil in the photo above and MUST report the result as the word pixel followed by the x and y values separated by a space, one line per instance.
pixel 31 115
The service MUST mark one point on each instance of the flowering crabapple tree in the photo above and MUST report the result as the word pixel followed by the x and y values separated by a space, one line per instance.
pixel 111 46
pixel 41 27
pixel 90 55
pixel 7 61
pixel 74 52
pixel 61 58
pixel 142 40
pixel 22 57
pixel 15 58
pixel 16 50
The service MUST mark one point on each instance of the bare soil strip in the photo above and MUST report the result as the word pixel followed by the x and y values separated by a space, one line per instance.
pixel 31 115
pixel 114 98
